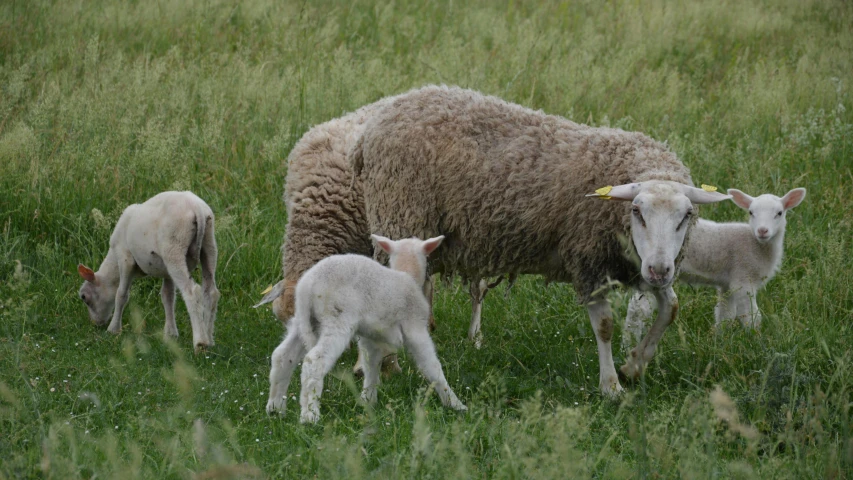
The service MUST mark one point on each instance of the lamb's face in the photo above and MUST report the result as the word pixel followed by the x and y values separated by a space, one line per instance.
pixel 97 296
pixel 660 218
pixel 766 217
pixel 767 212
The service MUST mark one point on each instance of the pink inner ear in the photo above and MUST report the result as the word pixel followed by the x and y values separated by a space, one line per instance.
pixel 385 245
pixel 740 199
pixel 793 198
pixel 86 273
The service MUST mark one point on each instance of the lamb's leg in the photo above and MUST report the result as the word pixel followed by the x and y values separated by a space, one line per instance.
pixel 372 355
pixel 317 363
pixel 208 282
pixel 747 308
pixel 125 268
pixel 192 293
pixel 420 346
pixel 601 318
pixel 429 289
pixel 284 360
pixel 640 310
pixel 167 294
pixel 726 308
pixel 478 289
pixel 643 353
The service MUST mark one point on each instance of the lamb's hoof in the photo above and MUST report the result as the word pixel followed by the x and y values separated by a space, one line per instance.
pixel 632 371
pixel 309 417
pixel 390 366
pixel 277 406
pixel 459 406
pixel 114 330
pixel 170 335
pixel 612 390
pixel 202 347
pixel 368 398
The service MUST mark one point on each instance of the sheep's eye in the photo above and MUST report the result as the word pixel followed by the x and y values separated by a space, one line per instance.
pixel 750 213
pixel 778 214
pixel 684 220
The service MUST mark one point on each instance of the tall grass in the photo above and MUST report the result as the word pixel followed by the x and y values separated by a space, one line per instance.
pixel 105 103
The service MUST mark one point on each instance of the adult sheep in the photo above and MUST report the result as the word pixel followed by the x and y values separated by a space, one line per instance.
pixel 505 185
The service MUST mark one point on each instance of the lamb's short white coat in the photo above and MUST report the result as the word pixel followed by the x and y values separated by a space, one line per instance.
pixel 165 237
pixel 736 258
pixel 347 295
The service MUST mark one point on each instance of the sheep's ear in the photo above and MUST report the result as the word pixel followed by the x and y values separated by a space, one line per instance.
pixel 707 194
pixel 86 273
pixel 741 199
pixel 432 243
pixel 384 243
pixel 619 192
pixel 793 198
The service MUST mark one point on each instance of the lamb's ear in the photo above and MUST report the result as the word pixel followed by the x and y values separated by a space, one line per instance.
pixel 432 243
pixel 384 243
pixel 793 198
pixel 86 273
pixel 619 192
pixel 741 199
pixel 706 194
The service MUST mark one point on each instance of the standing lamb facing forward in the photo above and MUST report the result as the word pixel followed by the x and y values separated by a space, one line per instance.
pixel 737 258
pixel 347 295
pixel 165 237
pixel 505 185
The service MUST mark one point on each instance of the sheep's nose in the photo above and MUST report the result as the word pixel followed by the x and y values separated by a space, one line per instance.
pixel 762 232
pixel 660 274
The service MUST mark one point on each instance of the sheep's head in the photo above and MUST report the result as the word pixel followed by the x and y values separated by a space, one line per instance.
pixel 660 218
pixel 767 212
pixel 99 299
pixel 409 255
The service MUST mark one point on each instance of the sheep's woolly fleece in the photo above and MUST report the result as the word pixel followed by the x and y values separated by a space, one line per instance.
pixel 325 208
pixel 505 185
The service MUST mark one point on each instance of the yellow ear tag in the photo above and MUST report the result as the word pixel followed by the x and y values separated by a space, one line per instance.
pixel 603 191
pixel 709 188
pixel 268 290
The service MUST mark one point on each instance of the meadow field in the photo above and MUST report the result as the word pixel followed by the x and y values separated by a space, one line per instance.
pixel 104 103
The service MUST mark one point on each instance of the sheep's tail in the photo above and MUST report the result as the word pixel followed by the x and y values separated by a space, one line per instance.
pixel 302 321
pixel 356 159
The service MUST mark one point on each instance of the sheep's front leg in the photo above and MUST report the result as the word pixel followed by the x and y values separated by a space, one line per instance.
pixel 125 269
pixel 419 344
pixel 601 318
pixel 317 364
pixel 167 294
pixel 640 310
pixel 478 291
pixel 208 282
pixel 371 355
pixel 284 360
pixel 643 353
pixel 747 308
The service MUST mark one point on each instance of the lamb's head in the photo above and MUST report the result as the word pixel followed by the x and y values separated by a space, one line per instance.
pixel 660 218
pixel 767 212
pixel 98 296
pixel 409 255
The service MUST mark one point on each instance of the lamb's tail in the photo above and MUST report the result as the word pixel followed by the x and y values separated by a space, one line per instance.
pixel 302 321
pixel 356 159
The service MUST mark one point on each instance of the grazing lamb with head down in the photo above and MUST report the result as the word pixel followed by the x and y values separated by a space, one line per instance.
pixel 165 237
pixel 347 295
pixel 737 258
pixel 505 185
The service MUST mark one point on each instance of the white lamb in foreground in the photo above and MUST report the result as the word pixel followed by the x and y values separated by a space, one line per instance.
pixel 347 295
pixel 165 237
pixel 737 258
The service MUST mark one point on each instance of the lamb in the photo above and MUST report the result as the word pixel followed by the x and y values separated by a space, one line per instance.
pixel 165 237
pixel 505 185
pixel 737 258
pixel 346 295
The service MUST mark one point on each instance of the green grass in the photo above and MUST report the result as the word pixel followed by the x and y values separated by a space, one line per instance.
pixel 105 103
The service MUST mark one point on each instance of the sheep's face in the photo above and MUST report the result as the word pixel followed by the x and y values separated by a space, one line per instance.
pixel 767 212
pixel 96 296
pixel 660 218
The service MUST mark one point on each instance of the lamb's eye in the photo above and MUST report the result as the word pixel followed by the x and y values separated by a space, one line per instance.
pixel 778 214
pixel 750 213
pixel 635 209
pixel 83 297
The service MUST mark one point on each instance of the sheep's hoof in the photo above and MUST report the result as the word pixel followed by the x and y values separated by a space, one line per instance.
pixel 277 406
pixel 390 366
pixel 201 347
pixel 114 330
pixel 458 406
pixel 309 417
pixel 632 371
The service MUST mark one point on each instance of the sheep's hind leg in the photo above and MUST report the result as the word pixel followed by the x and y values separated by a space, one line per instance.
pixel 167 294
pixel 284 360
pixel 601 318
pixel 419 344
pixel 317 364
pixel 192 294
pixel 643 353
pixel 208 282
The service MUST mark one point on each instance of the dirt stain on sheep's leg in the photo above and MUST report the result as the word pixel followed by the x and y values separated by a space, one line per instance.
pixel 605 329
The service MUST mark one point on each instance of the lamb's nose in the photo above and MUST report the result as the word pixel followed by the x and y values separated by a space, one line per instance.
pixel 762 232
